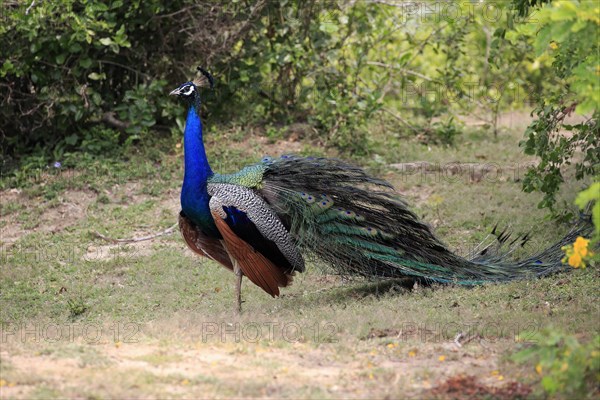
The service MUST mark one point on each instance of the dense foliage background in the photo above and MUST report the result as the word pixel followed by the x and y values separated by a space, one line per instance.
pixel 93 76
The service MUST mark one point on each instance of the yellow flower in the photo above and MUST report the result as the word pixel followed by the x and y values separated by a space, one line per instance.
pixel 412 353
pixel 581 246
pixel 553 45
pixel 577 253
pixel 442 358
pixel 436 200
pixel 575 260
pixel 538 369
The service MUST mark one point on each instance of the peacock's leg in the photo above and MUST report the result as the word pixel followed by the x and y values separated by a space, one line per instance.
pixel 238 285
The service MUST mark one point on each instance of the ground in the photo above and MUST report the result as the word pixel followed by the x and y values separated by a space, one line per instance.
pixel 83 317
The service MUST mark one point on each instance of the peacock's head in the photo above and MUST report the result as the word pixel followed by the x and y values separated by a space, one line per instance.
pixel 189 90
pixel 186 91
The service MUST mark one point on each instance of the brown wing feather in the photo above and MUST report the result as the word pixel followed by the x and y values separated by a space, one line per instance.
pixel 259 269
pixel 202 244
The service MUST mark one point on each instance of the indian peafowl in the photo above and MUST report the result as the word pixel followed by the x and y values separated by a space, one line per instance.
pixel 261 221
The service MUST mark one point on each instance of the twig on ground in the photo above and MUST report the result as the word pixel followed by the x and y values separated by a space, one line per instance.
pixel 469 338
pixel 167 231
pixel 457 338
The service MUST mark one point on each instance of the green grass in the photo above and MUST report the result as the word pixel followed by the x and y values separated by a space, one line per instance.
pixel 159 295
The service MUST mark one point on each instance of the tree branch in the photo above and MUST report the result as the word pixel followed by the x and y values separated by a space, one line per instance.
pixel 403 70
pixel 399 118
pixel 110 119
pixel 30 7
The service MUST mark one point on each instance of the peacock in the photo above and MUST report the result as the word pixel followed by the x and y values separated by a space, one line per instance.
pixel 265 220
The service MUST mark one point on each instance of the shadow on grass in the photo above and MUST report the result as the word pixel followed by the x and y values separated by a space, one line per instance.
pixel 352 289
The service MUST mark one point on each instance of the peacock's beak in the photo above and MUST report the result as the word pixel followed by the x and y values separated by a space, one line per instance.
pixel 175 92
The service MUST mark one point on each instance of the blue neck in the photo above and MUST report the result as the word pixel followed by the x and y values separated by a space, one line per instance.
pixel 194 197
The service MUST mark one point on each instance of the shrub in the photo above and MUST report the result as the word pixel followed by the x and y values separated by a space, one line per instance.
pixel 561 37
pixel 72 69
pixel 565 366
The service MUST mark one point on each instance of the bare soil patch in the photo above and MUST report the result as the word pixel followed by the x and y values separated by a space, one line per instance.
pixel 365 369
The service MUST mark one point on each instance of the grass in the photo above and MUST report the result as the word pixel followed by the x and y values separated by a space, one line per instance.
pixel 166 316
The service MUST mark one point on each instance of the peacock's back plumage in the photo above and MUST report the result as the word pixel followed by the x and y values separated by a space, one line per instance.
pixel 356 224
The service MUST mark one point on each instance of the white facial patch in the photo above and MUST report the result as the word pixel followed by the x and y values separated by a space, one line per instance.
pixel 187 91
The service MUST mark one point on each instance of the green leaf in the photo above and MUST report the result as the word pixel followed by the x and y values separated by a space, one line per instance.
pixel 85 62
pixel 561 31
pixel 75 48
pixel 589 195
pixel 328 27
pixel 585 107
pixel 549 384
pixel 106 41
pixel 543 40
pixel 565 10
pixel 99 7
pixel 7 67
pixel 72 139
pixel 405 57
pixel 96 76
